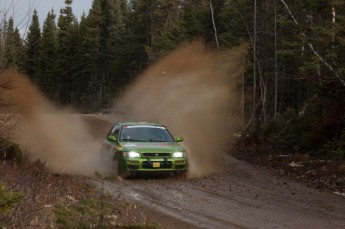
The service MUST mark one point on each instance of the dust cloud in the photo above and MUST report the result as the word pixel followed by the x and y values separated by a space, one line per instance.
pixel 193 92
pixel 55 136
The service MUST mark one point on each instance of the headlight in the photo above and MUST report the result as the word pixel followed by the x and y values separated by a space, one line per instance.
pixel 179 154
pixel 130 154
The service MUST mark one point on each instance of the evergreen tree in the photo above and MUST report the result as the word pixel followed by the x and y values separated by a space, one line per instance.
pixel 13 46
pixel 165 30
pixel 196 20
pixel 104 45
pixel 91 33
pixel 3 29
pixel 48 55
pixel 84 62
pixel 139 37
pixel 113 44
pixel 32 47
pixel 67 55
pixel 10 51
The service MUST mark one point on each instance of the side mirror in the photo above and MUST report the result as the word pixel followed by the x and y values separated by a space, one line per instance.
pixel 179 139
pixel 111 138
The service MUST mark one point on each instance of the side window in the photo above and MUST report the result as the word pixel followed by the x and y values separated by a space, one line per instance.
pixel 115 131
pixel 112 131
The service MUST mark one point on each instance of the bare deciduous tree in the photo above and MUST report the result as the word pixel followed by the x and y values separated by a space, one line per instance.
pixel 214 24
pixel 311 47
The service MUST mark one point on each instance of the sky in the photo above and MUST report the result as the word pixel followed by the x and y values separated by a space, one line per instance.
pixel 21 10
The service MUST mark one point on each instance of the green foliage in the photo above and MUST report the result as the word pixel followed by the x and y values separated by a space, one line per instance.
pixel 86 63
pixel 312 128
pixel 32 48
pixel 7 202
pixel 8 199
pixel 97 211
pixel 10 151
pixel 84 214
pixel 12 50
pixel 335 148
pixel 277 132
pixel 67 56
pixel 48 56
pixel 90 213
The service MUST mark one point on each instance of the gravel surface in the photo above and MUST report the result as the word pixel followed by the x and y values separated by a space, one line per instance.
pixel 243 196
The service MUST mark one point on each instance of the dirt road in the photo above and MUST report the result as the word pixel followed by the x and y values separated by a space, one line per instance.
pixel 241 197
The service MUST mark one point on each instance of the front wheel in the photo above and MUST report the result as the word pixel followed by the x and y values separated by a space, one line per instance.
pixel 109 161
pixel 181 174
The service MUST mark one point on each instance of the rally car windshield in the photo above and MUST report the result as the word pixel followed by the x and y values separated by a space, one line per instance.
pixel 145 134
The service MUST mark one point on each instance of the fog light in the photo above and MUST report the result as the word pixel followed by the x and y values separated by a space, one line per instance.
pixel 180 162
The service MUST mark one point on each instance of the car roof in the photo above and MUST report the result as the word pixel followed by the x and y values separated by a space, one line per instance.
pixel 140 124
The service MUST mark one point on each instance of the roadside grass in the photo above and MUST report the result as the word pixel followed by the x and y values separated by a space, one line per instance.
pixel 98 209
pixel 8 200
pixel 31 196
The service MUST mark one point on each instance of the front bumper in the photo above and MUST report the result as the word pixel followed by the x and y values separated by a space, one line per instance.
pixel 153 164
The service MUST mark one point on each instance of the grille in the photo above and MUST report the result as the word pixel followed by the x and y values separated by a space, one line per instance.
pixel 156 154
pixel 164 165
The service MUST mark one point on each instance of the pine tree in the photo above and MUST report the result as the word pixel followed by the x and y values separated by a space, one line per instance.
pixel 48 55
pixel 67 55
pixel 114 45
pixel 10 52
pixel 91 32
pixel 105 46
pixel 13 46
pixel 165 31
pixel 139 37
pixel 3 60
pixel 32 47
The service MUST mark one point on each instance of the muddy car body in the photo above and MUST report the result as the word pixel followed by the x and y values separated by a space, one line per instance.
pixel 137 147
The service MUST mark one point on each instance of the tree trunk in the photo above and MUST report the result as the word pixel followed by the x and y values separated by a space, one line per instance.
pixel 254 68
pixel 214 24
pixel 275 62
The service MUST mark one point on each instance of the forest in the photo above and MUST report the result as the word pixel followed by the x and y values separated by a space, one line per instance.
pixel 295 68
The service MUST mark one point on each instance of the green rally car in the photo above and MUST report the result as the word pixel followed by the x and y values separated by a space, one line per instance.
pixel 144 147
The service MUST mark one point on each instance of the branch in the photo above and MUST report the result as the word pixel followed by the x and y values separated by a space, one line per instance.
pixel 214 24
pixel 311 47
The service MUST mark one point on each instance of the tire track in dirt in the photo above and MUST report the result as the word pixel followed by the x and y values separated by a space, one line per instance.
pixel 242 197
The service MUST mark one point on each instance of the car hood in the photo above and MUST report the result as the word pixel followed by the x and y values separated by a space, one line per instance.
pixel 152 147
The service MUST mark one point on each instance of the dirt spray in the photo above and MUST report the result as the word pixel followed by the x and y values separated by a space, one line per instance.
pixel 193 92
pixel 58 137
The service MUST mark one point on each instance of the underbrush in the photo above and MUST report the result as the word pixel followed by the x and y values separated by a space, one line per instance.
pixel 10 152
pixel 316 131
pixel 308 145
pixel 31 196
